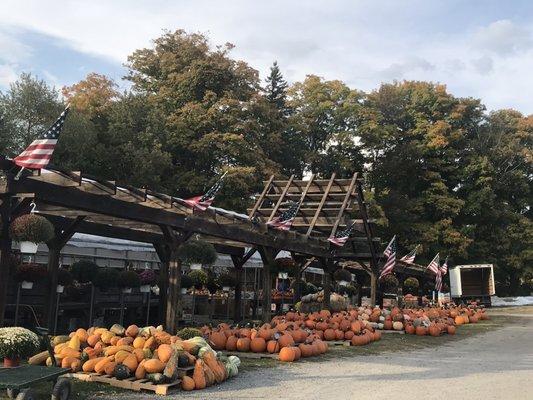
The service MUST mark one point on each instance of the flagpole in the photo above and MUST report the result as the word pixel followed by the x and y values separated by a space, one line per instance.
pixel 17 177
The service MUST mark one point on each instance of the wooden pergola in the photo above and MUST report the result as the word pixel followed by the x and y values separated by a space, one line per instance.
pixel 75 202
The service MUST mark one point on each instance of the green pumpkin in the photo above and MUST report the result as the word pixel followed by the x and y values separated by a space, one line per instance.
pixel 84 357
pixel 122 372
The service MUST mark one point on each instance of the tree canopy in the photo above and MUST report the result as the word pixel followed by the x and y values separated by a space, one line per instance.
pixel 440 170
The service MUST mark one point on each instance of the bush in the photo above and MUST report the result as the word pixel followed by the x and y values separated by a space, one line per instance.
pixel 106 278
pixel 147 277
pixel 227 279
pixel 197 252
pixel 283 264
pixel 199 278
pixel 128 279
pixel 31 228
pixel 410 285
pixel 188 333
pixel 349 290
pixel 18 342
pixel 186 282
pixel 31 273
pixel 84 271
pixel 389 283
pixel 342 275
pixel 64 277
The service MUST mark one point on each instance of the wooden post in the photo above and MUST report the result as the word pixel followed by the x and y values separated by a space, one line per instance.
pixel 327 266
pixel 237 304
pixel 373 288
pixel 174 307
pixel 164 257
pixel 267 256
pixel 5 254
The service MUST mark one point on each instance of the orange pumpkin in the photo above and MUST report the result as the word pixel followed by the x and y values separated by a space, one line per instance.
pixel 231 343
pixel 243 344
pixel 285 340
pixel 286 354
pixel 273 346
pixel 329 334
pixel 187 383
pixel 218 339
pixel 258 345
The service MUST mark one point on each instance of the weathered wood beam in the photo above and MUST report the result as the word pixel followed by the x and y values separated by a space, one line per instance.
pixel 5 252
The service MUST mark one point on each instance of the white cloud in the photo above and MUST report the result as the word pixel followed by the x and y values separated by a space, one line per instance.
pixel 8 74
pixel 363 43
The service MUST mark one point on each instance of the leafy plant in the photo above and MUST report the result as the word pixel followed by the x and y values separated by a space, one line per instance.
pixel 389 282
pixel 31 273
pixel 186 282
pixel 31 228
pixel 197 252
pixel 227 279
pixel 188 333
pixel 128 279
pixel 410 285
pixel 350 290
pixel 199 278
pixel 342 275
pixel 106 278
pixel 212 283
pixel 64 277
pixel 16 342
pixel 283 264
pixel 147 277
pixel 84 271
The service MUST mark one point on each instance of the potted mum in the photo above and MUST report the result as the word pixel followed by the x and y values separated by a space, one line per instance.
pixel 199 278
pixel 186 283
pixel 17 343
pixel 127 280
pixel 30 230
pixel 28 273
pixel 389 283
pixel 106 279
pixel 227 281
pixel 196 253
pixel 410 286
pixel 147 279
pixel 84 271
pixel 64 278
pixel 342 276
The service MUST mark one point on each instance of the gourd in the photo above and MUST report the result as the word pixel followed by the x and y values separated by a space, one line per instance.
pixel 198 375
pixel 131 362
pixel 210 360
pixel 397 325
pixel 140 372
pixel 110 368
pixel 60 339
pixel 88 366
pixel 164 352
pixel 125 341
pixel 153 366
pixel 156 378
pixel 171 369
pixel 65 362
pixel 187 383
pixel 39 358
pixel 117 329
pixel 138 343
pixel 132 331
pixel 122 372
pixel 232 365
pixel 121 356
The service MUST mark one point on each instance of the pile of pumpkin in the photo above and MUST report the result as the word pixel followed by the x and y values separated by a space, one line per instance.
pixel 147 353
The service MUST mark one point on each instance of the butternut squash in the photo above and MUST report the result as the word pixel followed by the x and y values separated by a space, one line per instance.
pixel 153 366
pixel 164 352
pixel 88 366
pixel 121 355
pixel 140 372
pixel 69 352
pixel 100 365
pixel 111 350
pixel 67 361
pixel 76 365
pixel 139 353
pixel 110 368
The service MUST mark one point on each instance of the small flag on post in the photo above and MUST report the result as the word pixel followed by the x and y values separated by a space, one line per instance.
pixel 444 267
pixel 438 282
pixel 341 237
pixel 38 154
pixel 284 221
pixel 390 253
pixel 433 266
pixel 410 257
pixel 203 202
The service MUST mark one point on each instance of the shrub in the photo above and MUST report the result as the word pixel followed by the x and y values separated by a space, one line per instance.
pixel 188 333
pixel 389 282
pixel 186 282
pixel 31 273
pixel 106 278
pixel 128 279
pixel 350 290
pixel 227 279
pixel 197 252
pixel 84 271
pixel 31 228
pixel 410 285
pixel 147 277
pixel 18 342
pixel 64 277
pixel 342 275
pixel 199 278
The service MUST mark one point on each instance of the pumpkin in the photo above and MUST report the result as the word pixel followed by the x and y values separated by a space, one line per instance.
pixel 410 329
pixel 139 353
pixel 75 366
pixel 329 334
pixel 93 339
pixel 243 344
pixel 450 329
pixel 138 343
pixel 397 326
pixel 218 340
pixel 421 330
pixel 377 335
pixel 297 353
pixel 265 333
pixel 187 383
pixel 100 365
pixel 121 355
pixel 286 354
pixel 258 345
pixel 356 327
pixel 132 331
pixel 231 343
pixel 285 340
pixel 65 362
pixel 434 330
pixel 153 366
pixel 88 366
pixel 273 346
pixel 126 341
pixel 82 335
pixel 109 368
pixel 131 362
pixel 387 325
pixel 348 335
pixel 140 372
pixel 339 334
pixel 164 352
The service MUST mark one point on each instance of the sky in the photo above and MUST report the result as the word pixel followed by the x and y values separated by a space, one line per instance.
pixel 477 48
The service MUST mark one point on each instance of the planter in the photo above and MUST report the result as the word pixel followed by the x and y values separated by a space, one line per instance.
pixel 283 275
pixel 28 247
pixel 343 283
pixel 11 362
pixel 126 290
pixel 225 288
pixel 60 289
pixel 183 291
pixel 196 267
pixel 26 285
pixel 145 288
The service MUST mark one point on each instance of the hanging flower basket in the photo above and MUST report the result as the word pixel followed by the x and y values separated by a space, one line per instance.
pixel 144 288
pixel 197 252
pixel 29 273
pixel 31 228
pixel 199 278
pixel 26 285
pixel 28 247
pixel 342 275
pixel 84 271
pixel 128 280
pixel 106 278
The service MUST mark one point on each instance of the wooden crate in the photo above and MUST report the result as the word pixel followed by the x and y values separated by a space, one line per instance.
pixel 392 331
pixel 130 383
pixel 251 355
pixel 338 342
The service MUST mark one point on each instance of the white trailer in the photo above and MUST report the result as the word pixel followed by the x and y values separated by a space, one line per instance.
pixel 472 282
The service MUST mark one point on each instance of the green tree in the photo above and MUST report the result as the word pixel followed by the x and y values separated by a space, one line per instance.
pixel 276 89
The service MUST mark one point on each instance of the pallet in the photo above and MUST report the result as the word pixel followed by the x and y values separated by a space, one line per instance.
pixel 392 331
pixel 129 383
pixel 338 343
pixel 251 355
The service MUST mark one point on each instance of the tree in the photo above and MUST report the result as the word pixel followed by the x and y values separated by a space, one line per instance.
pixel 276 89
pixel 28 108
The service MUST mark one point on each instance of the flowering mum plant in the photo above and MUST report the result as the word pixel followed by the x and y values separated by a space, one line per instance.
pixel 31 272
pixel 147 277
pixel 16 342
pixel 31 228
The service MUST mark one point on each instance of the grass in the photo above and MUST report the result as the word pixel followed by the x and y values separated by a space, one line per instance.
pixel 390 343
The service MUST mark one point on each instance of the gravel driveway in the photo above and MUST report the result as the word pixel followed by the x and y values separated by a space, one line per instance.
pixel 494 365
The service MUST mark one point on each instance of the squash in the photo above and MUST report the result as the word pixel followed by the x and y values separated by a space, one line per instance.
pixel 125 341
pixel 164 352
pixel 154 366
pixel 65 362
pixel 183 360
pixel 140 372
pixel 218 340
pixel 198 375
pixel 69 352
pixel 75 366
pixel 121 355
pixel 211 361
pixel 111 350
pixel 93 339
pixel 100 365
pixel 273 346
pixel 75 343
pixel 148 354
pixel 139 353
pixel 209 375
pixel 110 368
pixel 138 343
pixel 150 343
pixel 122 372
pixel 106 337
pixel 88 366
pixel 131 362
pixel 39 358
pixel 132 331
pixel 286 354
pixel 82 335
pixel 187 383
pixel 117 329
pixel 114 340
pixel 171 369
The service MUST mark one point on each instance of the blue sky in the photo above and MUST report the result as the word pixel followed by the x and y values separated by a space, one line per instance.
pixel 478 48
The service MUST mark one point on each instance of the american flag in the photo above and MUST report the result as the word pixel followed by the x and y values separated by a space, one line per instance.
pixel 341 237
pixel 438 282
pixel 284 221
pixel 38 154
pixel 433 266
pixel 390 253
pixel 203 202
pixel 410 257
pixel 444 267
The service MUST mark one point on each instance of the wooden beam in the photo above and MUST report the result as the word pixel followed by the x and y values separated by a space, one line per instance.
pixel 259 201
pixel 281 198
pixel 367 227
pixel 349 194
pixel 5 252
pixel 320 205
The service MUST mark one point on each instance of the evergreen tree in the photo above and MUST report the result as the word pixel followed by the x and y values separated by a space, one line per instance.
pixel 276 89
